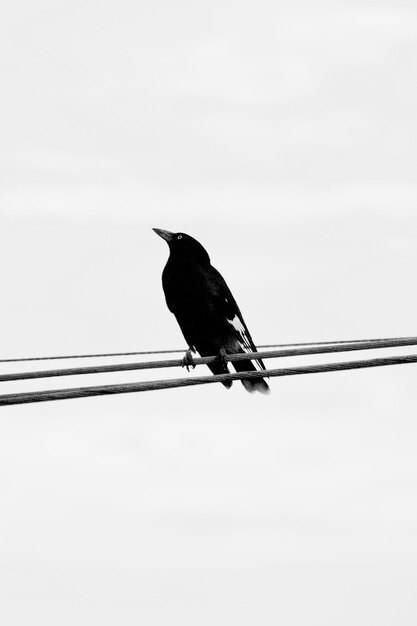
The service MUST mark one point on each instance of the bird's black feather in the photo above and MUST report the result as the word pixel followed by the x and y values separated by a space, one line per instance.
pixel 206 311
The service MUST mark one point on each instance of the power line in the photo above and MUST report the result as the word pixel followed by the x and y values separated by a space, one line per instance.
pixel 410 341
pixel 294 350
pixel 84 392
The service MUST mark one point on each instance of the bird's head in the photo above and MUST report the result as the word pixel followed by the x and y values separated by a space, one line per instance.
pixel 184 247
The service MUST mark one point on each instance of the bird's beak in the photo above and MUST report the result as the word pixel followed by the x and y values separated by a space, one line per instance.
pixel 165 234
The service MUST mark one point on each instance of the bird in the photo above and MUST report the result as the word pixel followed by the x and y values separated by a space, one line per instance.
pixel 205 309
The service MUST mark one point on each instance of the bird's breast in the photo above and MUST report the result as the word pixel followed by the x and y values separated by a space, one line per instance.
pixel 188 294
pixel 193 296
pixel 182 290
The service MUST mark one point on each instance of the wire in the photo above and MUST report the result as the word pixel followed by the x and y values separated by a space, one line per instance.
pixel 102 390
pixel 304 349
pixel 410 341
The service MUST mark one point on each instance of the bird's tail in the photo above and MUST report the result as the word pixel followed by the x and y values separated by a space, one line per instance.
pixel 221 368
pixel 251 384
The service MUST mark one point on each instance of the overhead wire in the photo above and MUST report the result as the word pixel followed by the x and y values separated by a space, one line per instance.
pixel 400 341
pixel 288 351
pixel 101 390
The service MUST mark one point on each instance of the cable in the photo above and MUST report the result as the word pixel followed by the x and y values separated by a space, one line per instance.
pixel 410 340
pixel 323 348
pixel 84 392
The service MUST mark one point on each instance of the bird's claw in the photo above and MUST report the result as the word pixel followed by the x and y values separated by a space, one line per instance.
pixel 188 360
pixel 222 356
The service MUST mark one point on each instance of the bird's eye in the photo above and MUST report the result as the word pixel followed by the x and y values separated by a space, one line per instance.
pixel 179 237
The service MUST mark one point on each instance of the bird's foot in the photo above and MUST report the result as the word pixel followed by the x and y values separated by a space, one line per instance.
pixel 222 357
pixel 188 360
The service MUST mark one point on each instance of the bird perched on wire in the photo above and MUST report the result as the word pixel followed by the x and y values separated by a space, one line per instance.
pixel 210 320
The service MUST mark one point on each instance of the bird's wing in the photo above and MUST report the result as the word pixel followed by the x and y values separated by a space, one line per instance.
pixel 228 306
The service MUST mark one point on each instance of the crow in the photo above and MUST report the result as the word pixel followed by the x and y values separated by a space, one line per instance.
pixel 207 313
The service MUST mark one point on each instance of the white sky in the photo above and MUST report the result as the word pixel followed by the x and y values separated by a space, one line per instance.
pixel 282 136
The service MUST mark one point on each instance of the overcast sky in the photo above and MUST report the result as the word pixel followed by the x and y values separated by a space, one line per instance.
pixel 282 135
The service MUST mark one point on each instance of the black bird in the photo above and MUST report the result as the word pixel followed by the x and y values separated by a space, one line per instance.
pixel 210 320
